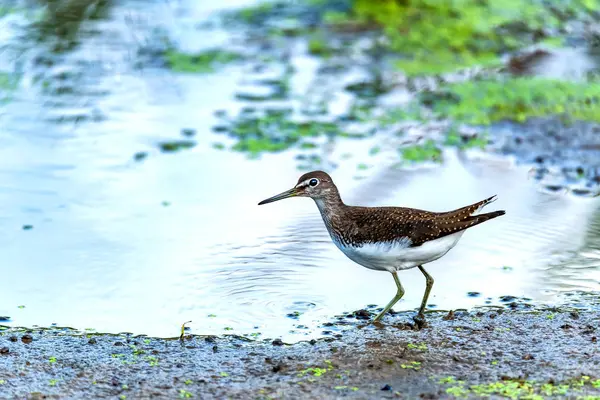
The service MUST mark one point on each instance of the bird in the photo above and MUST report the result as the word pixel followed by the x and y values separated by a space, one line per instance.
pixel 391 239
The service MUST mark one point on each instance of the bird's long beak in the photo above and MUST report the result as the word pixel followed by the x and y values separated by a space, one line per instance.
pixel 288 193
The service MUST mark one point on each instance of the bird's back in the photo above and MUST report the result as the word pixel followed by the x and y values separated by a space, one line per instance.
pixel 356 226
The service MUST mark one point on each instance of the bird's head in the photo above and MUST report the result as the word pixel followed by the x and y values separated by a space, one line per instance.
pixel 316 185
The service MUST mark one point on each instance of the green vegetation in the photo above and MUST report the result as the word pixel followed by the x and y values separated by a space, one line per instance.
pixel 203 62
pixel 424 37
pixel 453 138
pixel 429 151
pixel 317 45
pixel 317 371
pixel 435 37
pixel 416 365
pixel 418 346
pixel 274 130
pixel 8 83
pixel 176 145
pixel 485 102
pixel 520 389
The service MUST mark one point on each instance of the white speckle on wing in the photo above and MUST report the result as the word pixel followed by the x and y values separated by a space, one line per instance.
pixel 398 255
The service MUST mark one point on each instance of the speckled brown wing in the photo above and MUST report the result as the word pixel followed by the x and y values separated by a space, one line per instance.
pixel 465 212
pixel 389 224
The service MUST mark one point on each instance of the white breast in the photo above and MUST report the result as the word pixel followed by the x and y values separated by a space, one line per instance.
pixel 399 255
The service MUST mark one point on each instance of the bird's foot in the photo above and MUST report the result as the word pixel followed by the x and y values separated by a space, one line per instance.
pixel 420 321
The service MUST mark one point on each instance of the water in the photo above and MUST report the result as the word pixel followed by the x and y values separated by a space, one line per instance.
pixel 119 245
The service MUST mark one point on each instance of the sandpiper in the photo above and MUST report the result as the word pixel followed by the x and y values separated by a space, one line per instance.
pixel 388 238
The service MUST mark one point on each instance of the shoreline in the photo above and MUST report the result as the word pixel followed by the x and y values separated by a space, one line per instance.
pixel 498 352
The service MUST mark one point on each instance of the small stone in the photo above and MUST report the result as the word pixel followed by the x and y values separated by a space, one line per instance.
pixel 188 132
pixel 4 350
pixel 312 341
pixel 13 338
pixel 278 367
pixel 449 316
pixel 26 339
pixel 387 388
pixel 473 294
pixel 574 314
pixel 27 227
pixel 92 341
pixel 528 357
pixel 362 314
pixel 140 155
pixel 277 342
pixel 118 344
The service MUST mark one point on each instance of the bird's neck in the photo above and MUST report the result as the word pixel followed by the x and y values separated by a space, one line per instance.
pixel 331 206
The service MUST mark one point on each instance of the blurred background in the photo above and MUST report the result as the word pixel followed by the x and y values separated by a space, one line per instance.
pixel 137 136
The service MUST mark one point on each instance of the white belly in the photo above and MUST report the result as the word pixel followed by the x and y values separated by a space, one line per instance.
pixel 398 255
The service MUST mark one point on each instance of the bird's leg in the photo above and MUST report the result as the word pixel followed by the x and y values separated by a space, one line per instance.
pixel 420 318
pixel 397 297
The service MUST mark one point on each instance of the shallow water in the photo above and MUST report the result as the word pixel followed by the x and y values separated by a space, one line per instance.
pixel 119 245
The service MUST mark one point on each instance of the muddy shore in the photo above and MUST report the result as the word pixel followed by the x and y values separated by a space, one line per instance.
pixel 524 352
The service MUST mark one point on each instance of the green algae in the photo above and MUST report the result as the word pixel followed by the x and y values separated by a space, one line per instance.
pixel 522 389
pixel 274 130
pixel 518 99
pixel 202 62
pixel 428 151
pixel 176 145
pixel 435 37
pixel 317 45
pixel 454 139
pixel 8 83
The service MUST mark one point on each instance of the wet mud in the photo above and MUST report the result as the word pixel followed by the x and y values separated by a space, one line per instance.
pixel 523 352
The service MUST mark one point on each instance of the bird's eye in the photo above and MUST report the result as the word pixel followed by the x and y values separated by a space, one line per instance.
pixel 313 182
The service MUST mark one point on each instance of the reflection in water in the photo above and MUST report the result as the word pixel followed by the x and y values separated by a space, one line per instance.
pixel 119 245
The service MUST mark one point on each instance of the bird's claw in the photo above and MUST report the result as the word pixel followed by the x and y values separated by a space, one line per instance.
pixel 420 321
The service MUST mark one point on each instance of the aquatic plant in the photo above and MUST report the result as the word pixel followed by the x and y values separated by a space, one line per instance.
pixel 176 145
pixel 455 139
pixel 517 99
pixel 518 389
pixel 8 83
pixel 428 151
pixel 274 130
pixel 437 36
pixel 202 62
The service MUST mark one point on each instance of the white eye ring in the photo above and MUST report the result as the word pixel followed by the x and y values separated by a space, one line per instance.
pixel 313 182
